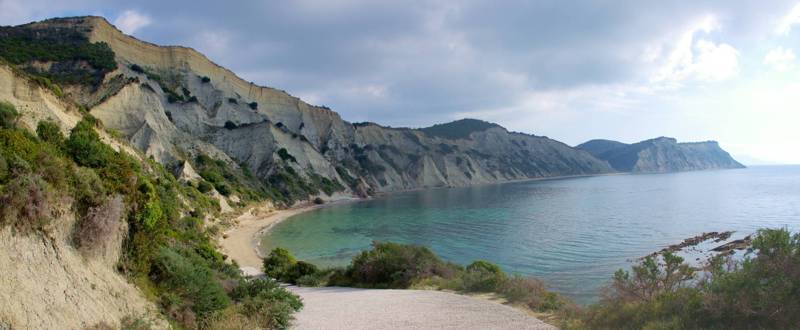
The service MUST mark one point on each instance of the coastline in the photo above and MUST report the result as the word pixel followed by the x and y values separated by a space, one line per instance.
pixel 241 242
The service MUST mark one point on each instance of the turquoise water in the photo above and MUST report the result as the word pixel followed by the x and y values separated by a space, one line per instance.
pixel 572 233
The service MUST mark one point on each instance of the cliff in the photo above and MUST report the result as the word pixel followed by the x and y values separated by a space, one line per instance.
pixel 174 104
pixel 661 155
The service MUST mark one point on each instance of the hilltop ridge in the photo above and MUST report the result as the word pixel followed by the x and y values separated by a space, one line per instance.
pixel 662 154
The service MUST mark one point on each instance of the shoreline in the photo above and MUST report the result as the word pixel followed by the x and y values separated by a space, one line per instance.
pixel 242 241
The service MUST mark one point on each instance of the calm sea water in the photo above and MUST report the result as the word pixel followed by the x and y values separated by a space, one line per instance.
pixel 572 233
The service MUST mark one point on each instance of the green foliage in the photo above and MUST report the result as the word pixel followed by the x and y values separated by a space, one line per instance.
pixel 48 131
pixel 459 129
pixel 482 276
pixel 278 263
pixel 136 68
pixel 229 180
pixel 266 302
pixel 8 115
pixel 67 48
pixel 191 278
pixel 759 292
pixel 85 146
pixel 253 105
pixel 205 80
pixel 285 155
pixel 203 186
pixel 391 265
pixel 300 269
pixel 170 256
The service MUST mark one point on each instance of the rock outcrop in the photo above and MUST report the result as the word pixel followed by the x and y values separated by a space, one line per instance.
pixel 661 155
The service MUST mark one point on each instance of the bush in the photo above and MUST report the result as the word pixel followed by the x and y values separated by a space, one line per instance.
pixel 758 292
pixel 205 80
pixel 278 263
pixel 298 270
pixel 230 125
pixel 531 292
pixel 264 301
pixel 85 146
pixel 192 279
pixel 391 265
pixel 482 276
pixel 232 100
pixel 319 201
pixel 253 105
pixel 100 225
pixel 26 203
pixel 203 186
pixel 8 115
pixel 48 131
pixel 285 155
pixel 136 68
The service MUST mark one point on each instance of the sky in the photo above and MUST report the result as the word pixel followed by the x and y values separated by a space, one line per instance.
pixel 570 70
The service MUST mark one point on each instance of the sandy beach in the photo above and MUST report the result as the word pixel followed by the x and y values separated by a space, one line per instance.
pixel 241 242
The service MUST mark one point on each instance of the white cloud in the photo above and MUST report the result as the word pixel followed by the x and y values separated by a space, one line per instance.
pixel 780 59
pixel 130 21
pixel 694 58
pixel 715 62
pixel 787 22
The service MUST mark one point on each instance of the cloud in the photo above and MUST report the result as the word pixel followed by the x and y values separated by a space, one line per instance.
pixel 780 59
pixel 697 58
pixel 790 20
pixel 130 21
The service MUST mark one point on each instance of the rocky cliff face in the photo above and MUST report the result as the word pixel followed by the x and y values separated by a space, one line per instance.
pixel 174 104
pixel 661 155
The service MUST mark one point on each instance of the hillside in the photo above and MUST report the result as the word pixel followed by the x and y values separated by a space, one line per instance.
pixel 175 105
pixel 661 155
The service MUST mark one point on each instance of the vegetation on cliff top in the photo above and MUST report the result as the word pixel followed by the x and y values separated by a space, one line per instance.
pixel 64 49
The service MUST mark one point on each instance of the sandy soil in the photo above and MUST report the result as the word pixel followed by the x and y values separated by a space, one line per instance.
pixel 349 308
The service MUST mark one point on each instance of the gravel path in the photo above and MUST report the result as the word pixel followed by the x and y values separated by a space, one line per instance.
pixel 349 308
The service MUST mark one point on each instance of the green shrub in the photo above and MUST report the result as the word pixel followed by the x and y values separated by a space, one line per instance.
pixel 192 279
pixel 253 105
pixel 205 80
pixel 391 265
pixel 8 115
pixel 87 188
pixel 759 292
pixel 203 186
pixel 482 276
pixel 48 131
pixel 298 270
pixel 278 263
pixel 85 146
pixel 264 301
pixel 136 68
pixel 285 155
